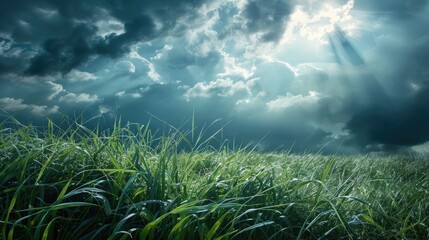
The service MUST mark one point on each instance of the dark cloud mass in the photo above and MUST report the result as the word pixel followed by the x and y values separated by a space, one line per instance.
pixel 67 35
pixel 268 18
pixel 401 124
pixel 401 116
pixel 141 28
pixel 343 76
pixel 62 54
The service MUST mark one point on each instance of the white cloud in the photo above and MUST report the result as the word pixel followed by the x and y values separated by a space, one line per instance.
pixel 290 100
pixel 79 98
pixel 12 104
pixel 54 109
pixel 233 68
pixel 55 90
pixel 5 44
pixel 201 37
pixel 10 48
pixel 126 66
pixel 136 95
pixel 108 26
pixel 314 24
pixel 251 99
pixel 79 76
pixel 104 109
pixel 152 74
pixel 159 53
pixel 286 64
pixel 132 68
pixel 221 87
pixel 120 94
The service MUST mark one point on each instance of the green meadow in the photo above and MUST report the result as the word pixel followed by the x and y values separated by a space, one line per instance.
pixel 131 183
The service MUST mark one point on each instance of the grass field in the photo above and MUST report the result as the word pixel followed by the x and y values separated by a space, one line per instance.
pixel 128 183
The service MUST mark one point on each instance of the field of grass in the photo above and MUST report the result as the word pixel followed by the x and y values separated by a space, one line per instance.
pixel 128 183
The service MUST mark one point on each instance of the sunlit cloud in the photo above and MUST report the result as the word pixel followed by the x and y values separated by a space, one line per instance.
pixel 136 95
pixel 109 26
pixel 315 24
pixel 102 109
pixel 79 98
pixel 127 66
pixel 80 76
pixel 219 87
pixel 290 100
pixel 55 90
pixel 233 68
pixel 152 74
pixel 18 105
pixel 120 94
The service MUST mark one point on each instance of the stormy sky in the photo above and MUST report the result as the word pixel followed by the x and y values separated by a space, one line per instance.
pixel 346 76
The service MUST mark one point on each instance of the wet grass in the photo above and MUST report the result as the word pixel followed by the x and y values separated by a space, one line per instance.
pixel 130 184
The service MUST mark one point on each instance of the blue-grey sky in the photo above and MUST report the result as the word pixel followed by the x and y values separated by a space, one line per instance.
pixel 343 76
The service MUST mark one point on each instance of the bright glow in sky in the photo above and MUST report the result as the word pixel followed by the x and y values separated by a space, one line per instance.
pixel 314 25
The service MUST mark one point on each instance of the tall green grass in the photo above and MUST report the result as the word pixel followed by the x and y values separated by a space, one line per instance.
pixel 130 183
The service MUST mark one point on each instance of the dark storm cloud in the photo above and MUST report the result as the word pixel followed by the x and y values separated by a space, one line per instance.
pixel 268 18
pixel 34 21
pixel 12 55
pixel 62 54
pixel 141 28
pixel 10 64
pixel 66 34
pixel 405 126
pixel 395 113
pixel 395 121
